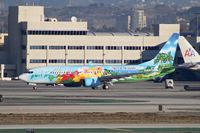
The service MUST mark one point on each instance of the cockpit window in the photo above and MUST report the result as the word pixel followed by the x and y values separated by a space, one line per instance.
pixel 30 72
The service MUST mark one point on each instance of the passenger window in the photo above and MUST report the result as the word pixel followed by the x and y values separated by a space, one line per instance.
pixel 30 72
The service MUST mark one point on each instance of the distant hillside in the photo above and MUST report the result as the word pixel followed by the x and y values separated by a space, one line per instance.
pixel 106 2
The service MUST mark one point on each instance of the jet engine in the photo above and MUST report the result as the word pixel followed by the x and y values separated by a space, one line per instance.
pixel 91 82
pixel 73 84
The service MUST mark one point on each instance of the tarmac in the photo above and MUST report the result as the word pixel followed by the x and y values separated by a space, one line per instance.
pixel 141 97
pixel 109 128
pixel 147 96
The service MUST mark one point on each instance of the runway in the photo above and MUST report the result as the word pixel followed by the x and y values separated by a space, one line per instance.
pixel 132 97
pixel 108 128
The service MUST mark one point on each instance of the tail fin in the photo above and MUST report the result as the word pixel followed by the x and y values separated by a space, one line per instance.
pixel 167 53
pixel 189 54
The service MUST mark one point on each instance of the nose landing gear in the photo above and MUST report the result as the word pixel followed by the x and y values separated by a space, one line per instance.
pixel 34 88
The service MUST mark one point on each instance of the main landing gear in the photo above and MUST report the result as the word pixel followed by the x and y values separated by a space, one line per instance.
pixel 33 85
pixel 34 88
pixel 105 86
pixel 94 88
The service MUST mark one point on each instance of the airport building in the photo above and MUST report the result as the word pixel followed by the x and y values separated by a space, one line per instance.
pixel 138 19
pixel 34 40
pixel 6 69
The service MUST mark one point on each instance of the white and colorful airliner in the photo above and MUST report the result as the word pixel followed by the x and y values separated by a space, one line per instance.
pixel 95 76
pixel 190 55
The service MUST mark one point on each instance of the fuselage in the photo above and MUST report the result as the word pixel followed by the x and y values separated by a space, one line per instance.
pixel 69 74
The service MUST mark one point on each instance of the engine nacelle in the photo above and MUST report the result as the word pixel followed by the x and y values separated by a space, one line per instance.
pixel 73 84
pixel 91 82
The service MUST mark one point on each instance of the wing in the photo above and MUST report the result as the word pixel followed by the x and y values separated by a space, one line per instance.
pixel 117 77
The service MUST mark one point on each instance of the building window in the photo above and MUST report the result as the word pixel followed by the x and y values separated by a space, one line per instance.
pixel 52 32
pixel 113 47
pixel 151 48
pixel 30 32
pixel 113 61
pixel 76 47
pixel 43 32
pixel 57 47
pixel 132 48
pixel 76 61
pixel 57 61
pixel 95 47
pixel 131 61
pixel 146 60
pixel 38 47
pixel 95 61
pixel 38 61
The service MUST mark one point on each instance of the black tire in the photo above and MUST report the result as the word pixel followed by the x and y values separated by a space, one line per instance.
pixel 186 87
pixel 34 88
pixel 1 98
pixel 105 87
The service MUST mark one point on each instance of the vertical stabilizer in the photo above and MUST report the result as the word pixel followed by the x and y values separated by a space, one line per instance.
pixel 189 54
pixel 166 54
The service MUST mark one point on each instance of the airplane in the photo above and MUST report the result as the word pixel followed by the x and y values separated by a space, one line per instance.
pixel 190 55
pixel 105 75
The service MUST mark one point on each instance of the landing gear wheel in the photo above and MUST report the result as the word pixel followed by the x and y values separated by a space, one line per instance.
pixel 34 88
pixel 1 98
pixel 93 88
pixel 105 87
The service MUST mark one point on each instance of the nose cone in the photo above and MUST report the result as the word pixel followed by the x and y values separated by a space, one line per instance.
pixel 23 77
